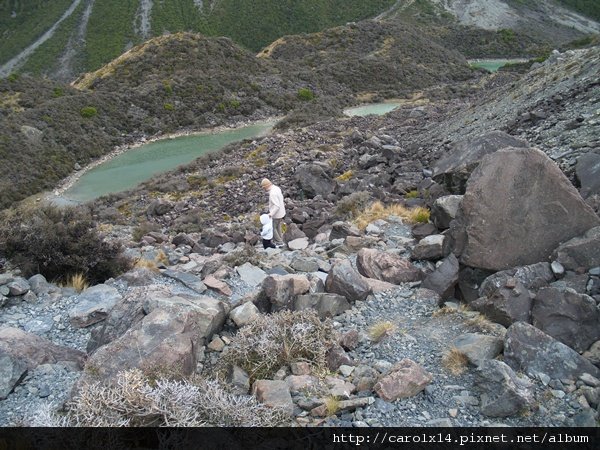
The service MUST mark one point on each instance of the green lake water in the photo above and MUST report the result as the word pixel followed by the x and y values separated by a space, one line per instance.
pixel 134 166
pixel 492 65
pixel 375 108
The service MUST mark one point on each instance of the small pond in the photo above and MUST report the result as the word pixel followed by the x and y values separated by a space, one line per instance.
pixel 375 108
pixel 136 165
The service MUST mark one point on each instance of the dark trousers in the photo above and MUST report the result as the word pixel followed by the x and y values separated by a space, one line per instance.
pixel 268 243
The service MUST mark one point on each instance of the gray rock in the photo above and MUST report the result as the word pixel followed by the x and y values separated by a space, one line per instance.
pixel 93 305
pixel 567 316
pixel 532 277
pixel 298 244
pixel 479 347
pixel 12 371
pixel 251 275
pixel 557 269
pixel 444 279
pixel 209 313
pixel 431 247
pixel 580 253
pixel 503 393
pixel 18 286
pixel 444 210
pixel 541 209
pixel 39 285
pixel 35 350
pixel 531 350
pixel 326 305
pixel 167 337
pixel 405 379
pixel 454 169
pixel 127 312
pixel 386 267
pixel 38 326
pixel 302 264
pixel 239 380
pixel 282 290
pixel 187 279
pixel 347 282
pixel 244 314
pixel 274 394
pixel 588 173
pixel 506 305
pixel 593 353
pixel 341 230
pixel 314 181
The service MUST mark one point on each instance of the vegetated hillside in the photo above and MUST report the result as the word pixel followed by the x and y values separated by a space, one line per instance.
pixel 370 56
pixel 188 81
pixel 554 107
pixel 499 27
pixel 100 30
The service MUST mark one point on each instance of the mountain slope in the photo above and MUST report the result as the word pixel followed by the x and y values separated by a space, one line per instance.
pixel 103 29
pixel 187 81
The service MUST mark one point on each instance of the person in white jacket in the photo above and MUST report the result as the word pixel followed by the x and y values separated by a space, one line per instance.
pixel 267 231
pixel 276 209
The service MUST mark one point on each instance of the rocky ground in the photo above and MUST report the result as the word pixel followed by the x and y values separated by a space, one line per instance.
pixel 422 332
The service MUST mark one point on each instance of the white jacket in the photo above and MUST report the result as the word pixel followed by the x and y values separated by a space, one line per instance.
pixel 276 205
pixel 267 229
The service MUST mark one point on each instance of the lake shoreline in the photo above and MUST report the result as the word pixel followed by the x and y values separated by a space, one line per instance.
pixel 70 180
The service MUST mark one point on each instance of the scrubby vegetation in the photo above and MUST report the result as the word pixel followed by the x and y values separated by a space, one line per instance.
pixel 378 210
pixel 59 244
pixel 136 400
pixel 273 341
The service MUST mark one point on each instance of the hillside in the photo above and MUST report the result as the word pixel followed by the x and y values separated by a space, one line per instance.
pixel 440 270
pixel 97 31
pixel 189 82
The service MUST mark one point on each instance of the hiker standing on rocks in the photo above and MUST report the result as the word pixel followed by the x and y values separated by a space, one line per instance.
pixel 276 209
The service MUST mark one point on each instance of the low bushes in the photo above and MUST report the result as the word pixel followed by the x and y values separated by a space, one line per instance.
pixel 59 243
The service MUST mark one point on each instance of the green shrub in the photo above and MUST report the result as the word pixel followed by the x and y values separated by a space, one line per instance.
pixel 58 92
pixel 59 243
pixel 168 107
pixel 13 77
pixel 305 94
pixel 88 112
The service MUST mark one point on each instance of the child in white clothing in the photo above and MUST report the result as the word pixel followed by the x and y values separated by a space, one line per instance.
pixel 267 231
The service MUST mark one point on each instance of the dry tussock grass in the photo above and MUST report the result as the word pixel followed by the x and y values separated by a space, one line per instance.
pixel 77 282
pixel 380 330
pixel 455 361
pixel 378 210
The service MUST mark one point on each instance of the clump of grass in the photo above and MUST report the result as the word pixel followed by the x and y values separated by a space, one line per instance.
pixel 455 361
pixel 77 282
pixel 332 405
pixel 378 211
pixel 161 257
pixel 144 263
pixel 411 194
pixel 380 330
pixel 481 322
pixel 345 176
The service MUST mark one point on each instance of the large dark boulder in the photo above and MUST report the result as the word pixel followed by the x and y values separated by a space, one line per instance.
pixel 531 350
pixel 503 393
pixel 386 267
pixel 532 277
pixel 517 209
pixel 454 169
pixel 444 278
pixel 580 252
pixel 313 180
pixel 565 315
pixel 506 304
pixel 344 280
